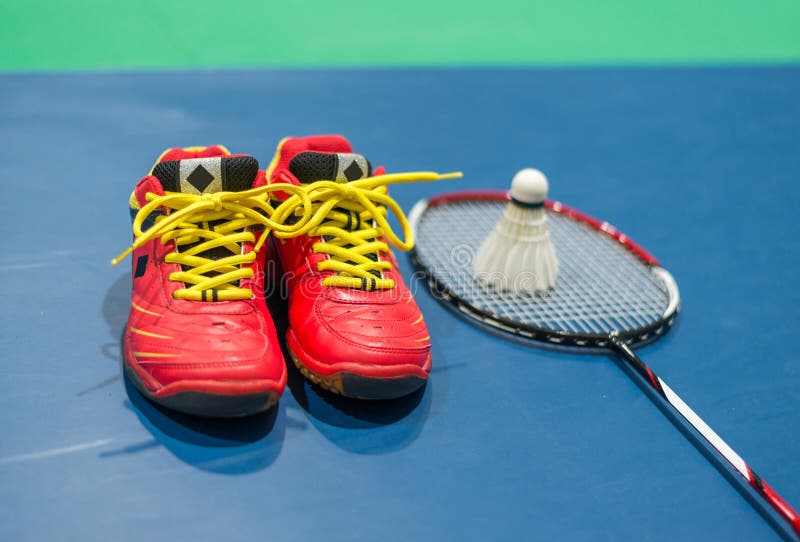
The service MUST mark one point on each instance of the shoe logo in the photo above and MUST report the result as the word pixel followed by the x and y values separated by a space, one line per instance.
pixel 201 175
pixel 353 172
pixel 200 178
pixel 141 266
pixel 350 167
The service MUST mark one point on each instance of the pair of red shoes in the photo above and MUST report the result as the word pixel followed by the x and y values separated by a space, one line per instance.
pixel 200 338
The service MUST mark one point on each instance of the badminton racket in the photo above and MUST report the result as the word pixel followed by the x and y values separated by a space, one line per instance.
pixel 610 295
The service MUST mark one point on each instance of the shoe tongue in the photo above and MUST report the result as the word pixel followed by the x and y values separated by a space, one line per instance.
pixel 207 175
pixel 341 167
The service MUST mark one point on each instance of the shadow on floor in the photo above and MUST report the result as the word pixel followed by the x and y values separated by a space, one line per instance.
pixel 224 446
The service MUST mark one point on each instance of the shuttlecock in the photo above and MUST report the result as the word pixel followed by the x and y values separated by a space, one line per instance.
pixel 518 255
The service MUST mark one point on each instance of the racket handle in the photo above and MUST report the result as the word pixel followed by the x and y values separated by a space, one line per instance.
pixel 710 436
pixel 777 502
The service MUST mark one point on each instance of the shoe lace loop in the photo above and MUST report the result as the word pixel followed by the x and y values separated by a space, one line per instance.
pixel 351 220
pixel 223 219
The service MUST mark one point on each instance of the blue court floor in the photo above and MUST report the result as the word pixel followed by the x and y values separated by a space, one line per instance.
pixel 506 442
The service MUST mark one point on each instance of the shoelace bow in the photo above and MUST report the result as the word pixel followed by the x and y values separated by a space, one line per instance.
pixel 214 279
pixel 351 220
pixel 350 217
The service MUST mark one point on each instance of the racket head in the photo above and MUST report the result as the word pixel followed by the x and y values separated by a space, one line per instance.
pixel 607 284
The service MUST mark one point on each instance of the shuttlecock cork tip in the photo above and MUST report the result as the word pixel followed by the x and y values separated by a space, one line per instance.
pixel 529 187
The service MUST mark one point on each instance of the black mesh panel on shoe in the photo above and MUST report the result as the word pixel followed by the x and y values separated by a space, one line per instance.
pixel 168 173
pixel 207 175
pixel 343 167
pixel 314 166
pixel 239 173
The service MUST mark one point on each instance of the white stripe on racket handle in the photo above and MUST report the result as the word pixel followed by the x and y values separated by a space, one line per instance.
pixel 708 434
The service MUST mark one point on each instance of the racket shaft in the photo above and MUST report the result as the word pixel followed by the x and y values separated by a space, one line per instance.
pixel 716 442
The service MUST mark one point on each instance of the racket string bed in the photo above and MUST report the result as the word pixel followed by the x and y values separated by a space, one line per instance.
pixel 597 290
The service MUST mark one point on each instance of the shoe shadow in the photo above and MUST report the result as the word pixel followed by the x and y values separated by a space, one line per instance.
pixel 359 426
pixel 224 446
pixel 354 425
pixel 115 312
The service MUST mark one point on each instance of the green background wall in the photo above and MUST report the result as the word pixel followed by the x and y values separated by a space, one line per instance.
pixel 144 34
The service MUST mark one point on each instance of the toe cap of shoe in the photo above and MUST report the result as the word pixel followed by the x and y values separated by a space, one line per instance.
pixel 384 333
pixel 221 348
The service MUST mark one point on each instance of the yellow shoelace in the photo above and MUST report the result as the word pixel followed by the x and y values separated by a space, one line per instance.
pixel 351 218
pixel 239 212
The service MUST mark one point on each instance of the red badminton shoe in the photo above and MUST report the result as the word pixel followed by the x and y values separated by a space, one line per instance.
pixel 354 326
pixel 199 338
